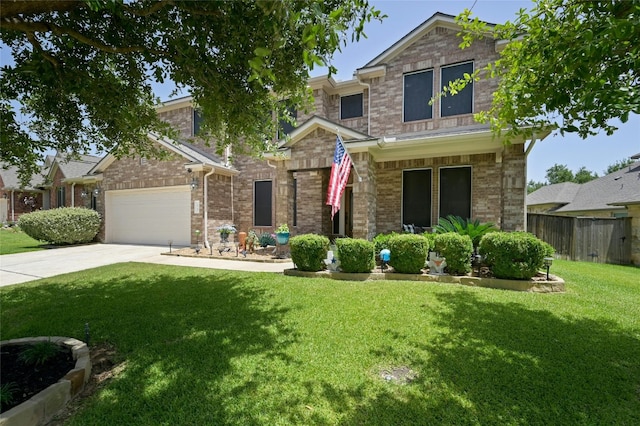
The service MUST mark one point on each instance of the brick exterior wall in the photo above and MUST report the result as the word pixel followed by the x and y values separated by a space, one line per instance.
pixel 436 49
pixel 498 184
pixel 181 119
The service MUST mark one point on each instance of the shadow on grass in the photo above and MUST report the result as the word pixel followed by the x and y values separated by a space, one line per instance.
pixel 505 364
pixel 179 337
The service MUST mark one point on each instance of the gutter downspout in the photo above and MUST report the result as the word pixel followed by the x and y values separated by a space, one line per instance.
pixel 13 209
pixel 206 208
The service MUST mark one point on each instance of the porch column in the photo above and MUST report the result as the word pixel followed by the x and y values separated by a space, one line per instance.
pixel 364 196
pixel 283 195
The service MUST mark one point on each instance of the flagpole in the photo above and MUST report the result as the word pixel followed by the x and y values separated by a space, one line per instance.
pixel 347 152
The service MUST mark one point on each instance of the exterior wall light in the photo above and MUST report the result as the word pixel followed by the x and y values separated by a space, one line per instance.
pixel 194 183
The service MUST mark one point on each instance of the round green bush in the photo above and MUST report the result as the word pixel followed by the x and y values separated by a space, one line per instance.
pixel 408 253
pixel 381 241
pixel 457 250
pixel 356 255
pixel 308 251
pixel 64 225
pixel 514 255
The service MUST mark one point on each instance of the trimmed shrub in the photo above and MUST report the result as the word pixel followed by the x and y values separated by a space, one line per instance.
pixel 457 250
pixel 356 255
pixel 408 253
pixel 64 225
pixel 308 251
pixel 381 241
pixel 514 255
pixel 431 240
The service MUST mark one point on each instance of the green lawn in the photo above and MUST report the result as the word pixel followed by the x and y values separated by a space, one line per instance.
pixel 12 240
pixel 214 347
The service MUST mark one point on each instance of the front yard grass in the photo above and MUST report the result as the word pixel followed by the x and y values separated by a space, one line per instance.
pixel 13 240
pixel 216 347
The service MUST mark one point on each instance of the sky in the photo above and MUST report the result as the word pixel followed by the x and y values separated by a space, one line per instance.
pixel 595 153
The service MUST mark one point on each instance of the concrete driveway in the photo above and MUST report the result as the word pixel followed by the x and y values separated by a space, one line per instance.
pixel 23 267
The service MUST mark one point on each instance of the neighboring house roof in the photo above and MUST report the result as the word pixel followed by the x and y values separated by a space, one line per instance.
pixel 195 156
pixel 11 181
pixel 605 193
pixel 558 193
pixel 73 168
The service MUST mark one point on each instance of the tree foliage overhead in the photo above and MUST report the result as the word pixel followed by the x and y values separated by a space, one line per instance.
pixel 570 63
pixel 81 71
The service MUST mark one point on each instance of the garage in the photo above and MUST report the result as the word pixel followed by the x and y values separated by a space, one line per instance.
pixel 152 216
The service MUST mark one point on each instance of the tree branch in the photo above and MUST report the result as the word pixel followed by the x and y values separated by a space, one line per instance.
pixel 36 44
pixel 33 27
pixel 13 8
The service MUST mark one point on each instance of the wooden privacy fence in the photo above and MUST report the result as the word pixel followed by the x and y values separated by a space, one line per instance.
pixel 593 239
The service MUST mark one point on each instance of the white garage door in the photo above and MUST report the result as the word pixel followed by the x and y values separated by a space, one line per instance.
pixel 149 216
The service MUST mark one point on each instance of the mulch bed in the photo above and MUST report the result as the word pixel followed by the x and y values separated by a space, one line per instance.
pixel 30 379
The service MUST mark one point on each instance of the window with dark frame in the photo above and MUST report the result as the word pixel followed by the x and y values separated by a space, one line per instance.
pixel 262 203
pixel 461 102
pixel 416 197
pixel 418 91
pixel 197 120
pixel 295 202
pixel 285 127
pixel 351 106
pixel 61 196
pixel 455 191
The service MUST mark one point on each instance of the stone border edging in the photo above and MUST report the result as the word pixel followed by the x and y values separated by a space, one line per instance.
pixel 234 258
pixel 556 286
pixel 44 405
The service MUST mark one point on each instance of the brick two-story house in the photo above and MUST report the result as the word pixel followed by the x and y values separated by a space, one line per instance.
pixel 413 162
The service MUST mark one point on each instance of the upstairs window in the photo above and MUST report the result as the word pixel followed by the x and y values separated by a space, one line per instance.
pixel 416 197
pixel 462 102
pixel 455 191
pixel 351 106
pixel 284 127
pixel 197 120
pixel 418 91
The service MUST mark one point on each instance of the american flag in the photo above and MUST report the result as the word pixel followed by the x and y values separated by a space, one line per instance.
pixel 339 176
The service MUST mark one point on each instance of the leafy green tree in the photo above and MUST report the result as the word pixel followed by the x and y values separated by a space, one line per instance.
pixel 573 64
pixel 559 173
pixel 81 71
pixel 618 165
pixel 583 175
pixel 534 186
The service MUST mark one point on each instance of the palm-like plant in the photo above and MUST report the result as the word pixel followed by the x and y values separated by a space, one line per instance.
pixel 472 228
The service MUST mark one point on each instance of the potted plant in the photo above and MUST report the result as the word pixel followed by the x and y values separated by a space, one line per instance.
pixel 224 231
pixel 282 234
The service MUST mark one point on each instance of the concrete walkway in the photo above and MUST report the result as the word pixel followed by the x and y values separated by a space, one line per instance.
pixel 23 267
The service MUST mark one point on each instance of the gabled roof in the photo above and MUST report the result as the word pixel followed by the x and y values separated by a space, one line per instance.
pixel 436 20
pixel 558 193
pixel 317 122
pixel 195 156
pixel 11 181
pixel 71 167
pixel 605 193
